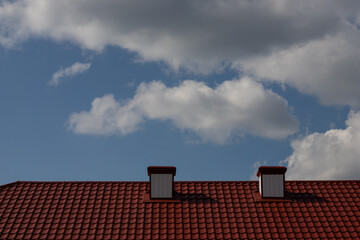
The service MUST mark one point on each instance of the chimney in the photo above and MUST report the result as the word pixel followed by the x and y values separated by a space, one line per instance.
pixel 271 181
pixel 161 182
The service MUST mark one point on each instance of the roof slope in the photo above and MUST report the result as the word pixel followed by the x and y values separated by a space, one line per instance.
pixel 207 210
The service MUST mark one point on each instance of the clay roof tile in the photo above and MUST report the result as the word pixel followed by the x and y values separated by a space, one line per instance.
pixel 208 210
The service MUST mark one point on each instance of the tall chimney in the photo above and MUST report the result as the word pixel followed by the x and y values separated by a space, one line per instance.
pixel 161 182
pixel 271 181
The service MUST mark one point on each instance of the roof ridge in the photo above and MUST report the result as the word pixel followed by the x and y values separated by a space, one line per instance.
pixel 322 180
pixel 9 184
pixel 251 181
pixel 76 181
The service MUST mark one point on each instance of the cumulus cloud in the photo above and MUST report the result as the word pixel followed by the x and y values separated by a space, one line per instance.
pixel 106 117
pixel 327 68
pixel 71 71
pixel 233 108
pixel 198 35
pixel 311 45
pixel 327 156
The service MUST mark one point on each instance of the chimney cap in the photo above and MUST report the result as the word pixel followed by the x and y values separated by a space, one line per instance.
pixel 271 170
pixel 162 169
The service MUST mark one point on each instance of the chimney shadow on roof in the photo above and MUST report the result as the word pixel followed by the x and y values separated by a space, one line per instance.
pixel 304 197
pixel 193 198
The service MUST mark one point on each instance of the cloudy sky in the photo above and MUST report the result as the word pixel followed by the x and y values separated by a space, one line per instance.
pixel 99 90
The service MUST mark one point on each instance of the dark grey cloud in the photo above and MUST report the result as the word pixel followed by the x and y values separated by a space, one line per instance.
pixel 310 45
pixel 197 35
pixel 327 68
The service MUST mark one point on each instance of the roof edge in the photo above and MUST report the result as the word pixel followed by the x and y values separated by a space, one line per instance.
pixel 251 181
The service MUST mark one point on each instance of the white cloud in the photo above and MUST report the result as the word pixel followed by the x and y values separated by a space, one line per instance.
pixel 233 108
pixel 311 45
pixel 71 71
pixel 327 68
pixel 197 35
pixel 107 116
pixel 330 155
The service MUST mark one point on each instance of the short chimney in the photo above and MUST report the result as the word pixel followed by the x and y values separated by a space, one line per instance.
pixel 161 182
pixel 271 181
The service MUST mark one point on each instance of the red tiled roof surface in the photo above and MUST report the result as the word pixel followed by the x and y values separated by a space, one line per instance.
pixel 207 210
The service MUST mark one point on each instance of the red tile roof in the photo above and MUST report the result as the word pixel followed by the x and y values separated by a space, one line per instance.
pixel 206 210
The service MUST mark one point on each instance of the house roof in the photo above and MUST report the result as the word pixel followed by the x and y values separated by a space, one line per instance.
pixel 205 210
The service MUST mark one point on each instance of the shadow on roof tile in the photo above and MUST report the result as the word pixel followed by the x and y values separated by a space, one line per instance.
pixel 194 198
pixel 304 197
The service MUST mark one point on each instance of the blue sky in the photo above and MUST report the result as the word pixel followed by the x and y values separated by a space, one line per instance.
pixel 101 90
